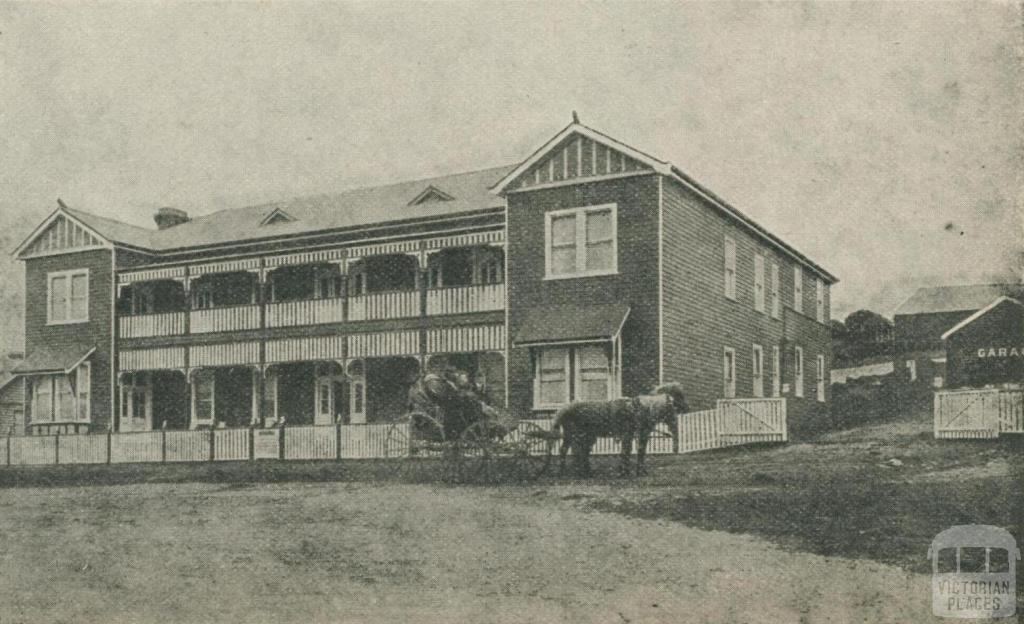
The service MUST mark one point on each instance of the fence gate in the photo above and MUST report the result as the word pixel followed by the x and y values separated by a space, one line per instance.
pixel 734 422
pixel 973 414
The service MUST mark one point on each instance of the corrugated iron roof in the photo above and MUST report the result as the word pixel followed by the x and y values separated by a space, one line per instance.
pixel 935 299
pixel 357 207
pixel 50 359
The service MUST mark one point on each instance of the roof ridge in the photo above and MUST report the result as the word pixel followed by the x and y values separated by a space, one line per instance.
pixel 369 187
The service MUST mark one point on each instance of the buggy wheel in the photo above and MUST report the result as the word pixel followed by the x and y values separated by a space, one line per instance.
pixel 532 451
pixel 417 445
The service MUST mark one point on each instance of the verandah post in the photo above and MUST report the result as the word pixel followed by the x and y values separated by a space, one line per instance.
pixel 163 443
pixel 109 443
pixel 212 449
pixel 56 448
pixel 337 440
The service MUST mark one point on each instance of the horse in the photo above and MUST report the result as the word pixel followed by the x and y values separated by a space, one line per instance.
pixel 625 419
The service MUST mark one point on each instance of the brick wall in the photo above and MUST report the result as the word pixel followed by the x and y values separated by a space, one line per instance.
pixel 700 321
pixel 635 284
pixel 78 336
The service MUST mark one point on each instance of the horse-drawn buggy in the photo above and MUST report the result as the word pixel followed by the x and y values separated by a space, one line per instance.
pixel 450 430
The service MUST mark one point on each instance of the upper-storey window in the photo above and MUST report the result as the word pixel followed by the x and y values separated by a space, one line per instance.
pixel 581 241
pixel 759 294
pixel 820 299
pixel 730 268
pixel 798 289
pixel 776 295
pixel 67 297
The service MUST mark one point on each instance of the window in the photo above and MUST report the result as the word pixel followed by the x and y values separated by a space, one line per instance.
pixel 581 242
pixel 589 368
pixel 912 370
pixel 56 399
pixel 490 270
pixel 937 381
pixel 729 372
pixel 269 410
pixel 202 297
pixel 357 280
pixel 730 268
pixel 820 299
pixel 67 297
pixel 42 399
pixel 798 289
pixel 142 299
pixel 776 371
pixel 821 378
pixel 552 377
pixel 326 284
pixel 759 282
pixel 776 303
pixel 592 374
pixel 83 386
pixel 798 371
pixel 757 368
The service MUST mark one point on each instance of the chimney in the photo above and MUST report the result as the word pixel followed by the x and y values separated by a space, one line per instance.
pixel 169 217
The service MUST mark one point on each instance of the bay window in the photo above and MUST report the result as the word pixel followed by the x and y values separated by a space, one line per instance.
pixel 62 397
pixel 585 372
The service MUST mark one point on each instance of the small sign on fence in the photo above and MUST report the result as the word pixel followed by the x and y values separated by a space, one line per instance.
pixel 266 444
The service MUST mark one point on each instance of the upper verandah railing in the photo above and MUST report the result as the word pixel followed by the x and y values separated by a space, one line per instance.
pixel 352 297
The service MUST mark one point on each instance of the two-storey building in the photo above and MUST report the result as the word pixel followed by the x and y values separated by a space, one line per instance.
pixel 587 271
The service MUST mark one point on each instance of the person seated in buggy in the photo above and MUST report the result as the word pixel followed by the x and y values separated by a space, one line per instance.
pixel 450 399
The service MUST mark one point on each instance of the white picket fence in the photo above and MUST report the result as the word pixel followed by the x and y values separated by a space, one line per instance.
pixel 730 423
pixel 978 414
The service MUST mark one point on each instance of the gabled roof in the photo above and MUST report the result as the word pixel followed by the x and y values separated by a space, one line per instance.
pixel 937 299
pixel 647 163
pixel 980 313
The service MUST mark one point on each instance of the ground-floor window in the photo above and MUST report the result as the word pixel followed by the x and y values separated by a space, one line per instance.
pixel 565 374
pixel 821 378
pixel 798 371
pixel 776 371
pixel 62 397
pixel 757 369
pixel 729 372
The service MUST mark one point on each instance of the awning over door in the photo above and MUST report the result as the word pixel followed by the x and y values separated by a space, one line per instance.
pixel 567 323
pixel 53 360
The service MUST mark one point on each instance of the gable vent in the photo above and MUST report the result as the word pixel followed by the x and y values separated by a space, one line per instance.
pixel 430 194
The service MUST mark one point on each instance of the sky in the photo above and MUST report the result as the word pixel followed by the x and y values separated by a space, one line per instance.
pixel 882 140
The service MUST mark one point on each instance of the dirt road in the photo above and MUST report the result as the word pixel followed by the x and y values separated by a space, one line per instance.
pixel 359 552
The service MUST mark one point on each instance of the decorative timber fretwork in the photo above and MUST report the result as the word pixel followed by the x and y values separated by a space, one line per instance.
pixel 150 275
pixel 380 249
pixel 61 235
pixel 384 344
pixel 578 157
pixel 227 354
pixel 466 339
pixel 305 257
pixel 227 266
pixel 164 358
pixel 494 237
pixel 305 349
